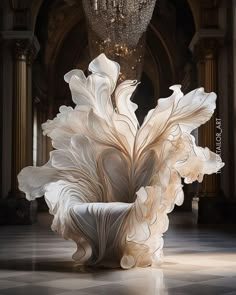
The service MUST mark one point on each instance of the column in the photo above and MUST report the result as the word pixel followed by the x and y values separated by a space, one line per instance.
pixel 211 202
pixel 21 115
pixel 24 51
pixel 207 132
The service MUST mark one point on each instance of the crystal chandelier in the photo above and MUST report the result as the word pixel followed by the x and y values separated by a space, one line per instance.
pixel 130 58
pixel 119 21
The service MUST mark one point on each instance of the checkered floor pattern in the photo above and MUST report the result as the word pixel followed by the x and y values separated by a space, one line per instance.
pixel 198 260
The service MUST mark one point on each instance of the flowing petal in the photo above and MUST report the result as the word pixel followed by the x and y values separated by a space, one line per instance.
pixel 103 66
pixel 33 180
pixel 200 161
pixel 145 168
pixel 188 111
pixel 66 124
pixel 78 73
pixel 114 169
pixel 81 91
pixel 144 227
pixel 124 106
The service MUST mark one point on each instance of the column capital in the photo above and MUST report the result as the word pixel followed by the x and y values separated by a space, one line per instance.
pixel 205 43
pixel 25 49
pixel 25 44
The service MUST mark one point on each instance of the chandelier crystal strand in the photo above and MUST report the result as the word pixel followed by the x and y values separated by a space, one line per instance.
pixel 119 21
pixel 130 58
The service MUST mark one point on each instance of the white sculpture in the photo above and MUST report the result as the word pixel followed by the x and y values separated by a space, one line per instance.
pixel 110 183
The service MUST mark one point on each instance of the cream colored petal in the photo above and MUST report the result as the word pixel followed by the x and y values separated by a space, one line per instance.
pixel 103 66
pixel 188 111
pixel 77 73
pixel 33 180
pixel 124 105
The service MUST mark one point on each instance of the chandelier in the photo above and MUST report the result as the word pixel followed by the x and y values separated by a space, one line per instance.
pixel 130 58
pixel 119 21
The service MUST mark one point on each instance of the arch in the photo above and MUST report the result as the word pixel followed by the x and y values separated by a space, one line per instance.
pixel 57 37
pixel 35 8
pixel 193 5
pixel 156 75
pixel 165 46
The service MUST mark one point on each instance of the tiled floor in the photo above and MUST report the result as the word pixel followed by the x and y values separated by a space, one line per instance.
pixel 198 260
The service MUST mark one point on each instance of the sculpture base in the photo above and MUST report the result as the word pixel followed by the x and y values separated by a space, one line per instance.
pixel 16 210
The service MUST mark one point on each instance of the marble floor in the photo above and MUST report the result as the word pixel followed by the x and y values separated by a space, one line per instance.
pixel 198 260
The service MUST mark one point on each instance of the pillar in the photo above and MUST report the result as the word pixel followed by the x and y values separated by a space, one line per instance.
pixel 211 201
pixel 24 50
pixel 22 119
pixel 207 132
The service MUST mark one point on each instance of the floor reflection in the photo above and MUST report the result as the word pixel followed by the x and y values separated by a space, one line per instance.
pixel 34 260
